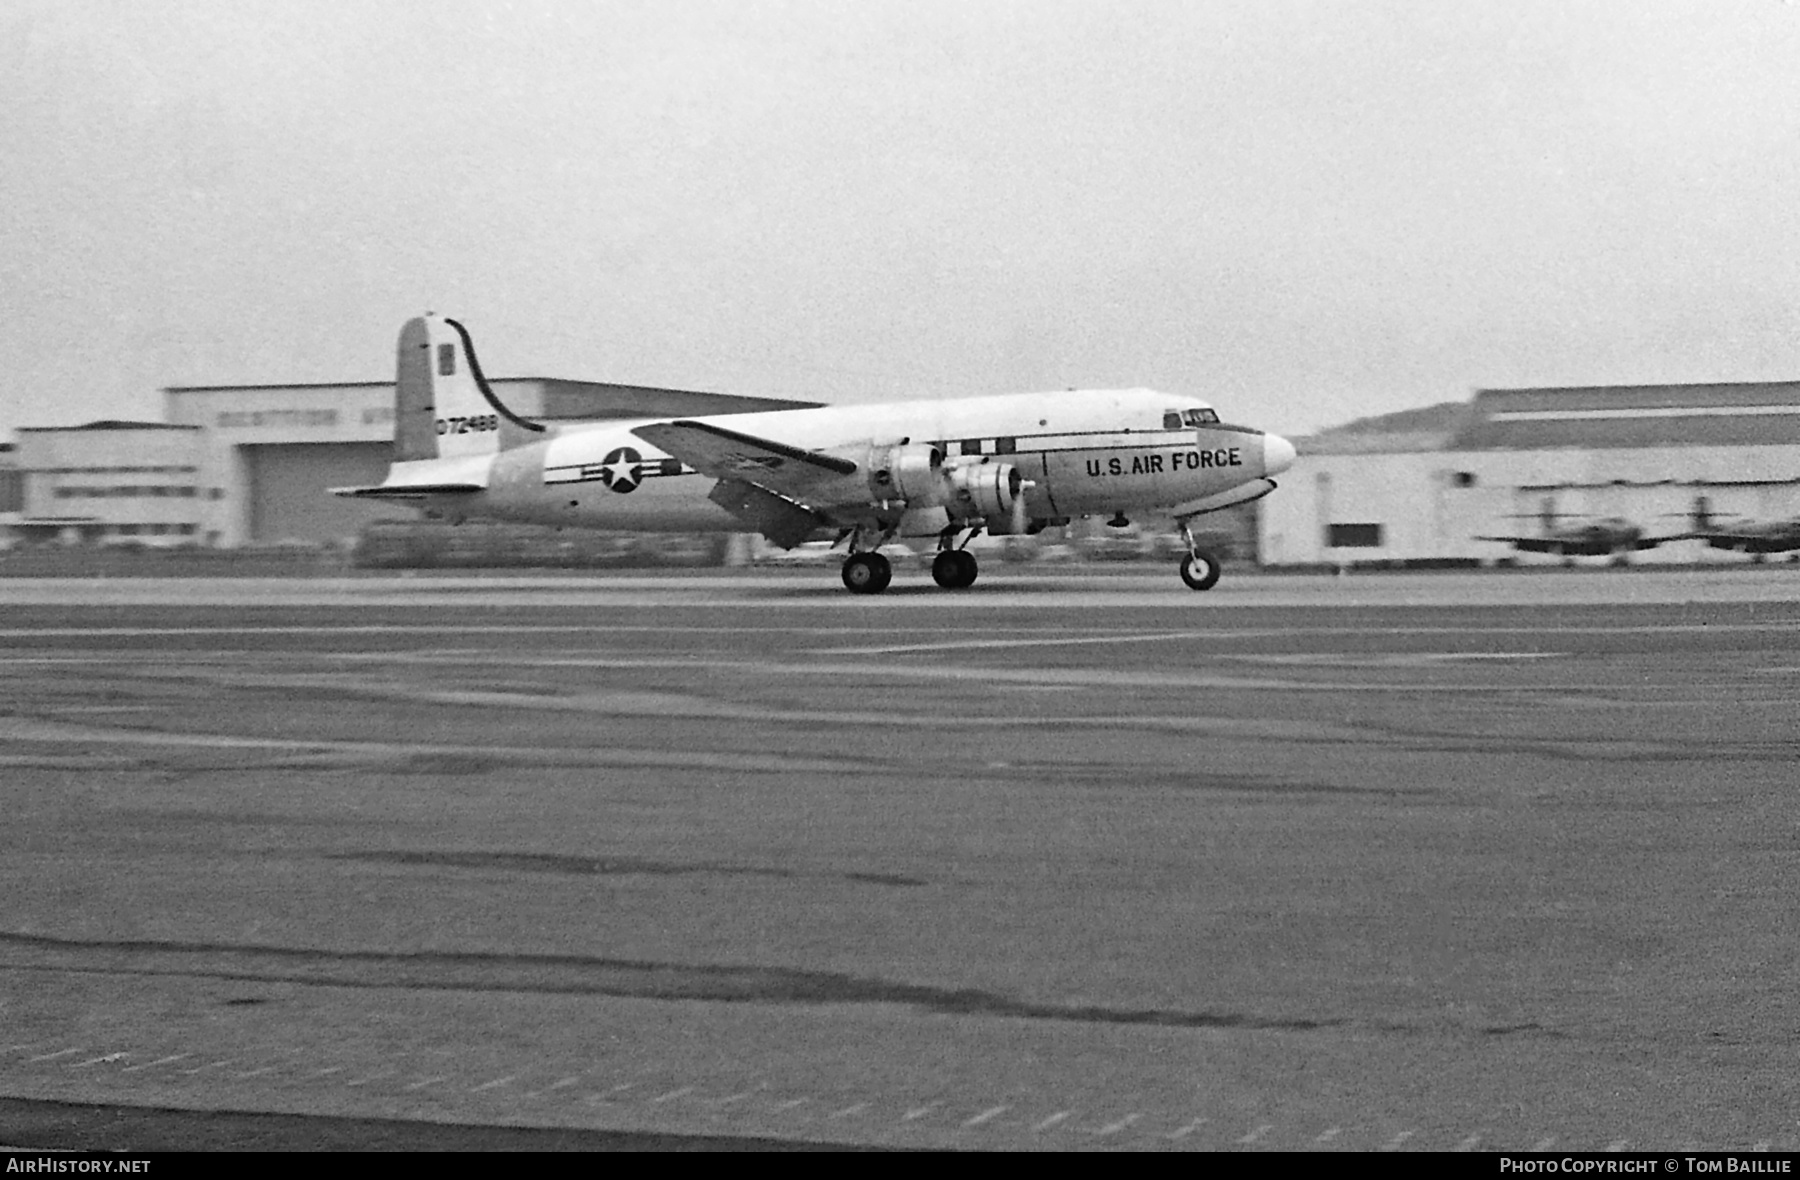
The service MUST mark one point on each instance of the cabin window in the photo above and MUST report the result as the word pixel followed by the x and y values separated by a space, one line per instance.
pixel 446 360
pixel 1006 446
pixel 1172 420
pixel 971 446
pixel 1353 536
pixel 1463 479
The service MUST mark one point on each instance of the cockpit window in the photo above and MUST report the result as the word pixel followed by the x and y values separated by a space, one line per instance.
pixel 1176 419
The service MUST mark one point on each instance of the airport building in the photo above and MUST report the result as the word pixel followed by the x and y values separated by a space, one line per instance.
pixel 242 465
pixel 1525 462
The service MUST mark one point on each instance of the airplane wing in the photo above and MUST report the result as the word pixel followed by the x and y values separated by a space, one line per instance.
pixel 787 471
pixel 1529 544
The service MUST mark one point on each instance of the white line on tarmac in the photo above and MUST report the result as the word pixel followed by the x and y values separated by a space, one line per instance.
pixel 856 1108
pixel 54 1056
pixel 1184 1131
pixel 1114 1128
pixel 987 1116
pixel 1257 1135
pixel 494 1084
pixel 1059 1117
pixel 159 1061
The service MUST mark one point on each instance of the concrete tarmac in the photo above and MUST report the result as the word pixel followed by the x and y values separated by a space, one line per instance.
pixel 1462 861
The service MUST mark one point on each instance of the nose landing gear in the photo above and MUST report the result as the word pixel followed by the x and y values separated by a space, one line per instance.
pixel 1200 568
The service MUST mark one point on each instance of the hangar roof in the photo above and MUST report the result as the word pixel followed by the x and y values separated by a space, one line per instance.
pixel 558 397
pixel 1737 414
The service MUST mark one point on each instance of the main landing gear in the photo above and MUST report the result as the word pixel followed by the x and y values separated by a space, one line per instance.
pixel 1200 568
pixel 867 573
pixel 954 569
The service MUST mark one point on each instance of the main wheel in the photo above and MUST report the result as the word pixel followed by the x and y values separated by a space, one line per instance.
pixel 954 569
pixel 1200 570
pixel 867 573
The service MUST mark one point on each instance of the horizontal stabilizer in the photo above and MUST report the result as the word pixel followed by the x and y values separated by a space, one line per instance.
pixel 408 491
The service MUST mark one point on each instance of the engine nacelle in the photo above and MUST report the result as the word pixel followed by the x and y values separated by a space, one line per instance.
pixel 987 490
pixel 907 471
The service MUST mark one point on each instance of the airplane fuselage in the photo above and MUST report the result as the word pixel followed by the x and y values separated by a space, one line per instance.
pixel 1080 453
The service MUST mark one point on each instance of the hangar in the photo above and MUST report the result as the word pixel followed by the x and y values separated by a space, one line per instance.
pixel 1419 489
pixel 252 464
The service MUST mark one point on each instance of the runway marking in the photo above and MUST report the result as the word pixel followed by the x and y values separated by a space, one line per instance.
pixel 255 1073
pixel 1257 1135
pixel 683 1092
pixel 552 1087
pixel 104 1059
pixel 1469 1143
pixel 1395 1143
pixel 791 1103
pixel 919 1112
pixel 159 1061
pixel 326 1072
pixel 208 1065
pixel 1183 1132
pixel 54 1056
pixel 497 1082
pixel 1328 1134
pixel 1616 1145
pixel 600 1096
pixel 1544 1144
pixel 857 1108
pixel 423 1082
pixel 733 1099
pixel 888 649
pixel 1053 1120
pixel 1115 1127
pixel 987 1116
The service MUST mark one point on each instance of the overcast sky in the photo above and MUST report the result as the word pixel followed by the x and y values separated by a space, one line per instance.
pixel 1305 211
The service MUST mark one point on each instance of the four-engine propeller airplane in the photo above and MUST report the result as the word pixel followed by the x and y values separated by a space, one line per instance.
pixel 865 474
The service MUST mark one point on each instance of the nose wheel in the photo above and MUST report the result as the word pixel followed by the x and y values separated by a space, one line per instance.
pixel 954 569
pixel 1200 570
pixel 867 573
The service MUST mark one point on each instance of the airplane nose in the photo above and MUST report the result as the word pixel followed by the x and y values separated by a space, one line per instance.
pixel 1278 454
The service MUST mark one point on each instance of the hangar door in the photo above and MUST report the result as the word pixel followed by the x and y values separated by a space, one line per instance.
pixel 289 491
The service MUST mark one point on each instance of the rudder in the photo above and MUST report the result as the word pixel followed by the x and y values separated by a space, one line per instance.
pixel 442 408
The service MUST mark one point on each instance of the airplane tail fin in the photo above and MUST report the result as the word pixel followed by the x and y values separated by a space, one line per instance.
pixel 443 407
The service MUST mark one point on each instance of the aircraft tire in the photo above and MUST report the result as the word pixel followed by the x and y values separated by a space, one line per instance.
pixel 954 569
pixel 867 573
pixel 1200 570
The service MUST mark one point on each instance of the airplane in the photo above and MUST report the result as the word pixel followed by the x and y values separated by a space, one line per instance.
pixel 861 474
pixel 1610 536
pixel 1754 537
